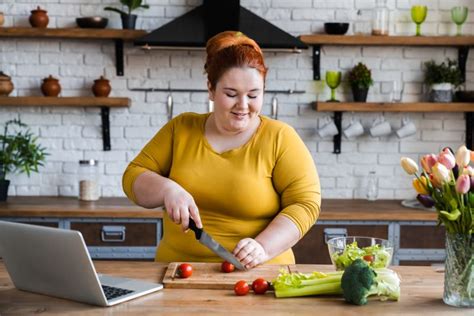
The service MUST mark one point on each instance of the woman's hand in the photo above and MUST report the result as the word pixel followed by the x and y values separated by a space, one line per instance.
pixel 250 253
pixel 180 205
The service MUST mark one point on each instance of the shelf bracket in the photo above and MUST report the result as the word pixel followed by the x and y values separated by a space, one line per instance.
pixel 119 56
pixel 463 53
pixel 337 137
pixel 104 113
pixel 316 62
pixel 470 130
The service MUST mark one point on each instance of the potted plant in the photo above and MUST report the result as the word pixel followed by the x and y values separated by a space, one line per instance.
pixel 360 79
pixel 442 79
pixel 128 19
pixel 18 152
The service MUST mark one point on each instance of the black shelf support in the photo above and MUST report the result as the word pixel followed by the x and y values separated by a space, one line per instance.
pixel 463 53
pixel 337 137
pixel 119 56
pixel 470 130
pixel 316 62
pixel 104 113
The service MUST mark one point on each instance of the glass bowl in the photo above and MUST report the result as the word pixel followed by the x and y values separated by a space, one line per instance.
pixel 376 252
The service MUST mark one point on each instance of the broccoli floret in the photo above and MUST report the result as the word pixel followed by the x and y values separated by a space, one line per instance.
pixel 359 281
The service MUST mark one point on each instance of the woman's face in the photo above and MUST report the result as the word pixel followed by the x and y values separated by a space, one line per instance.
pixel 238 98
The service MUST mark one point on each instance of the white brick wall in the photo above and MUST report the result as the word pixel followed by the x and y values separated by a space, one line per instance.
pixel 71 134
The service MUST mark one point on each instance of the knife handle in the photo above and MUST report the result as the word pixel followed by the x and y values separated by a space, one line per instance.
pixel 197 231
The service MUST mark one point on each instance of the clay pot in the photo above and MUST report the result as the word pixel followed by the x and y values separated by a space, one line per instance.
pixel 101 87
pixel 39 18
pixel 50 87
pixel 6 85
pixel 2 19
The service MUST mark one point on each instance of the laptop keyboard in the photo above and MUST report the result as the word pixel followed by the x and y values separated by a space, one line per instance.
pixel 114 292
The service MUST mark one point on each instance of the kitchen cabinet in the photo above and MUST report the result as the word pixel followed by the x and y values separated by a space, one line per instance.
pixel 462 43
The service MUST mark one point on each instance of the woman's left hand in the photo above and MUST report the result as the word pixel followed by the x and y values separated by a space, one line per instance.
pixel 250 253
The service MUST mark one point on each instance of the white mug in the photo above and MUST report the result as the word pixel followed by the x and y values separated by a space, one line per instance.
pixel 329 128
pixel 380 127
pixel 354 129
pixel 408 128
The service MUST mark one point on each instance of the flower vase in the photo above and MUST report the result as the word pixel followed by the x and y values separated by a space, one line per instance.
pixel 459 270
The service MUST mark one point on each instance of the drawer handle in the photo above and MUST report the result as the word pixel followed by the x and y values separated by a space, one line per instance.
pixel 330 233
pixel 113 234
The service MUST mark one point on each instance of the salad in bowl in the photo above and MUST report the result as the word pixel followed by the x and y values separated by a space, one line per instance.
pixel 376 252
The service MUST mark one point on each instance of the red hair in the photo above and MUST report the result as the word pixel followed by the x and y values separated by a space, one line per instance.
pixel 231 49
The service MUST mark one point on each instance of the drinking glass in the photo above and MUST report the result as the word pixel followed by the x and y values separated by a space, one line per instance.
pixel 333 79
pixel 459 16
pixel 418 15
pixel 397 91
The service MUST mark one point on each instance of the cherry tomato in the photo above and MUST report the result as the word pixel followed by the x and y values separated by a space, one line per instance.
pixel 241 288
pixel 368 258
pixel 260 286
pixel 185 270
pixel 227 267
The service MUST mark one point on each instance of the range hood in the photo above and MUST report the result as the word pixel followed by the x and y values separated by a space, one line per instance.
pixel 193 29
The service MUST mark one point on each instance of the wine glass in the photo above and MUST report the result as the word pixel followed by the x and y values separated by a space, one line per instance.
pixel 459 16
pixel 333 79
pixel 418 15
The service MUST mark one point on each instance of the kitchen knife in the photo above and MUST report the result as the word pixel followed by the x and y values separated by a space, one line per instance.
pixel 213 245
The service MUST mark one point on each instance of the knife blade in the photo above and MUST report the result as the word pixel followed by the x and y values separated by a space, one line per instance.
pixel 205 239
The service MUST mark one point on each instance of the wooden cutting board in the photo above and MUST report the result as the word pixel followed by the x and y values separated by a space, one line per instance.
pixel 210 276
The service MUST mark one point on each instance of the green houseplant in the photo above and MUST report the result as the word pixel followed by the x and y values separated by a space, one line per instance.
pixel 128 19
pixel 18 152
pixel 442 79
pixel 360 79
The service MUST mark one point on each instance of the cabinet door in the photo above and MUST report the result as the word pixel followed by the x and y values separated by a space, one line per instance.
pixel 118 234
pixel 422 237
pixel 312 248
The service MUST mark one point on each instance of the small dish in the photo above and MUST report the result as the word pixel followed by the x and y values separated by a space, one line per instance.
pixel 92 22
pixel 335 28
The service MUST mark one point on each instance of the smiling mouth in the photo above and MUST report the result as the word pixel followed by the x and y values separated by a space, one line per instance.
pixel 240 114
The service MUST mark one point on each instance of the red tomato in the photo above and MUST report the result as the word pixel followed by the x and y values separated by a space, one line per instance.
pixel 260 286
pixel 241 288
pixel 227 267
pixel 368 258
pixel 185 270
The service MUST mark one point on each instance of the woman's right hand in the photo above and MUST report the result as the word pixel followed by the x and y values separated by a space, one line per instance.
pixel 180 205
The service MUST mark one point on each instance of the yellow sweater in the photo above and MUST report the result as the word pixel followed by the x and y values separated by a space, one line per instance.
pixel 238 192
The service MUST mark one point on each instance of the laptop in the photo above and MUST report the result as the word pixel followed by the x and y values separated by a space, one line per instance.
pixel 56 262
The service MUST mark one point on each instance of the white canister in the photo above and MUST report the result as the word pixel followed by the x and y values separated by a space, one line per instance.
pixel 88 180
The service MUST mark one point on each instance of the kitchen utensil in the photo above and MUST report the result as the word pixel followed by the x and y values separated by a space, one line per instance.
pixel 329 127
pixel 205 239
pixel 169 107
pixel 336 28
pixel 275 108
pixel 6 85
pixel 101 87
pixel 333 79
pixel 408 128
pixel 50 87
pixel 39 18
pixel 92 22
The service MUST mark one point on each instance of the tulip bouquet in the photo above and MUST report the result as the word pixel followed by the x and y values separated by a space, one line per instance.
pixel 447 183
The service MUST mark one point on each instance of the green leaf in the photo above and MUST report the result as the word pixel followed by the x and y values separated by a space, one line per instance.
pixel 454 215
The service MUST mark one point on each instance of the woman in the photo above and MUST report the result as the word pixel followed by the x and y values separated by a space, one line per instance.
pixel 249 180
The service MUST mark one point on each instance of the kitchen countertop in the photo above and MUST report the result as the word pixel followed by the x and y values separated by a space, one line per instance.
pixel 332 209
pixel 421 293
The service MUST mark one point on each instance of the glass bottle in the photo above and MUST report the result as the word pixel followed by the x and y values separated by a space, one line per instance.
pixel 88 180
pixel 372 187
pixel 380 18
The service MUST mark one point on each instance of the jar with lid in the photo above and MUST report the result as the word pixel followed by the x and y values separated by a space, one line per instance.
pixel 88 180
pixel 372 191
pixel 380 18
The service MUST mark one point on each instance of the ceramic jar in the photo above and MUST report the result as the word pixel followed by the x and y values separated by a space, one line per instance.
pixel 50 87
pixel 39 18
pixel 6 85
pixel 2 19
pixel 101 87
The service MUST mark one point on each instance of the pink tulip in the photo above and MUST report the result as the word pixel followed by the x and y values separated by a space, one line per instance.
pixel 472 184
pixel 447 159
pixel 428 161
pixel 463 184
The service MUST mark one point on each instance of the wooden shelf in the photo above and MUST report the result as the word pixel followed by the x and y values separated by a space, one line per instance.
pixel 392 107
pixel 65 101
pixel 358 40
pixel 71 33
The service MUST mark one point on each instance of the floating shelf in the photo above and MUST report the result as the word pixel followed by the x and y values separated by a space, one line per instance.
pixel 104 103
pixel 117 35
pixel 339 107
pixel 392 107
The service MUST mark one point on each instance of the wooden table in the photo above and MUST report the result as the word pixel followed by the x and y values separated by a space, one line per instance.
pixel 422 290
